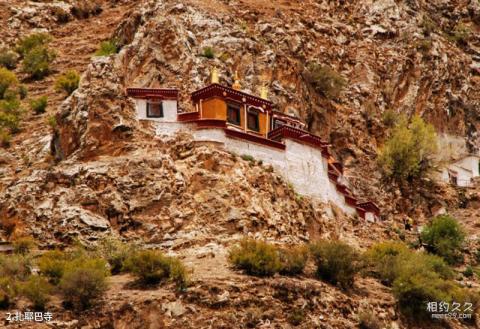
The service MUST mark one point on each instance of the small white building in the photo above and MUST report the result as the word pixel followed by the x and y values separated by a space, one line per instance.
pixel 462 171
pixel 155 104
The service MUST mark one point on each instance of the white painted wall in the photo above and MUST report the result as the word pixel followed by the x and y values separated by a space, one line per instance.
pixel 301 165
pixel 470 163
pixel 370 217
pixel 464 177
pixel 169 110
pixel 467 168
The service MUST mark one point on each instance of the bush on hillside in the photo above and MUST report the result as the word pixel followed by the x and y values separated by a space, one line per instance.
pixel 460 34
pixel 37 290
pixel 336 262
pixel 208 52
pixel 60 15
pixel 326 80
pixel 382 259
pixel 82 9
pixel 8 291
pixel 5 137
pixel 387 260
pixel 107 48
pixel 39 105
pixel 255 258
pixel 23 245
pixel 10 113
pixel 52 265
pixel 32 41
pixel 409 151
pixel 293 260
pixel 8 59
pixel 416 277
pixel 83 282
pixel 152 267
pixel 17 267
pixel 36 63
pixel 22 91
pixel 115 252
pixel 7 80
pixel 389 118
pixel 9 121
pixel 368 320
pixel 68 82
pixel 444 237
pixel 414 287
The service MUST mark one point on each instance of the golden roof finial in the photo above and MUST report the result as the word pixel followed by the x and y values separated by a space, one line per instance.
pixel 214 76
pixel 263 86
pixel 236 82
pixel 264 91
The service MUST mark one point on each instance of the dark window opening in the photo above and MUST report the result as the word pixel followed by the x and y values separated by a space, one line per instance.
pixel 453 179
pixel 252 121
pixel 233 114
pixel 154 110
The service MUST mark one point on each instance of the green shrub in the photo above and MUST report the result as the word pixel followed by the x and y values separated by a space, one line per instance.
pixel 52 122
pixel 424 45
pixel 468 272
pixel 247 157
pixel 22 91
pixel 115 253
pixel 389 118
pixel 8 59
pixel 36 63
pixel 208 52
pixel 326 80
pixel 255 258
pixel 416 277
pixel 17 267
pixel 8 291
pixel 82 9
pixel 409 151
pixel 23 245
pixel 460 34
pixel 107 48
pixel 68 81
pixel 296 317
pixel 5 137
pixel 336 262
pixel 83 282
pixel 178 273
pixel 60 15
pixel 388 259
pixel 383 257
pixel 10 121
pixel 28 43
pixel 368 320
pixel 152 267
pixel 39 105
pixel 52 265
pixel 293 260
pixel 7 80
pixel 444 237
pixel 37 290
pixel 428 26
pixel 416 285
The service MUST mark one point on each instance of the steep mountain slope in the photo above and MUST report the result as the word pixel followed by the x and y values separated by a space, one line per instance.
pixel 101 172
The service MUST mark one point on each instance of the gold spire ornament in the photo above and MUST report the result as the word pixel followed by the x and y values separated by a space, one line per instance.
pixel 214 76
pixel 264 92
pixel 236 84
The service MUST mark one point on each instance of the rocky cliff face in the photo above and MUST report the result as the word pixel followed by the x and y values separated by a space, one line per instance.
pixel 102 172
